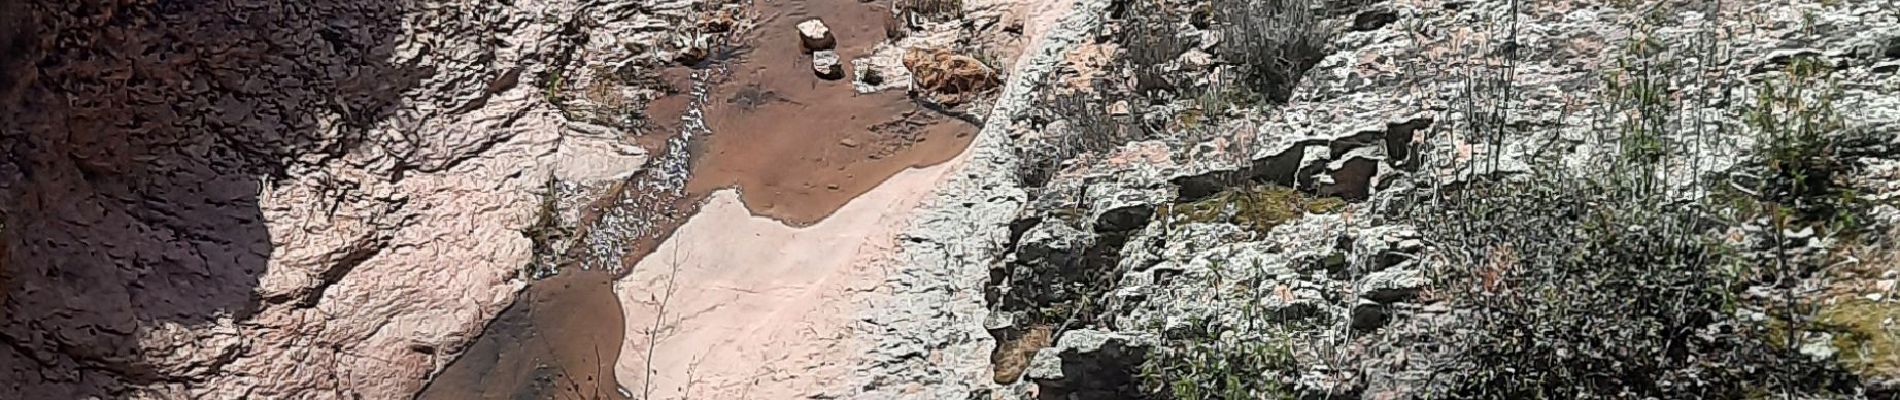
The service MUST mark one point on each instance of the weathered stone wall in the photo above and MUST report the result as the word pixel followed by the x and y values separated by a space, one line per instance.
pixel 280 200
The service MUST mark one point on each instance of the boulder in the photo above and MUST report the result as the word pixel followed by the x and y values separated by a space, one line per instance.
pixel 815 36
pixel 1368 315
pixel 943 72
pixel 825 64
pixel 1091 364
pixel 1400 283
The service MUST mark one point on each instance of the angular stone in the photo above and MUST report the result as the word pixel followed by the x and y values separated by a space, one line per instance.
pixel 1399 283
pixel 1369 315
pixel 815 36
pixel 1090 364
pixel 824 63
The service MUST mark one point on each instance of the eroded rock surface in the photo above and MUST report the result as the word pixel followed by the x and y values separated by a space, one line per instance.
pixel 311 200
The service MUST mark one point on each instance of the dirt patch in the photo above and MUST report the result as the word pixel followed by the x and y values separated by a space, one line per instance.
pixel 558 341
pixel 798 147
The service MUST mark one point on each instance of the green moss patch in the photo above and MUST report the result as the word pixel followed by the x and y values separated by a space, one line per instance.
pixel 1866 334
pixel 1259 208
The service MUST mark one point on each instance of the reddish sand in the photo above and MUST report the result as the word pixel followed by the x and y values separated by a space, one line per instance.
pixel 798 147
pixel 558 341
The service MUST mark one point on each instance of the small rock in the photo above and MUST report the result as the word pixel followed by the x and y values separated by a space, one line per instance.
pixel 1886 67
pixel 1195 60
pixel 1821 348
pixel 815 36
pixel 1333 264
pixel 942 72
pixel 848 142
pixel 1373 19
pixel 1779 59
pixel 825 64
pixel 690 56
pixel 1392 285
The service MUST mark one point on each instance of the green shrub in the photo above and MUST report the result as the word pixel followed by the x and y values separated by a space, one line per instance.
pixel 1203 366
pixel 1595 280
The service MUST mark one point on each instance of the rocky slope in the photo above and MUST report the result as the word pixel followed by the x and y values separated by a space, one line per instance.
pixel 1167 199
pixel 1278 232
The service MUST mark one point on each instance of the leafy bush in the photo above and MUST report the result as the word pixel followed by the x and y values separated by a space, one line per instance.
pixel 1599 283
pixel 1206 367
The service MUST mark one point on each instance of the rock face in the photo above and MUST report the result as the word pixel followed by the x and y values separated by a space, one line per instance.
pixel 313 200
pixel 929 340
pixel 1351 286
pixel 815 36
pixel 1082 366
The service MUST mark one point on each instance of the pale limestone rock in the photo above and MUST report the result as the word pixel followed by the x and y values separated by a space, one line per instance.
pixel 824 63
pixel 325 205
pixel 815 36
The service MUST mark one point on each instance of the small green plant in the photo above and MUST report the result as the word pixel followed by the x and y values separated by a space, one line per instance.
pixel 1202 365
pixel 546 233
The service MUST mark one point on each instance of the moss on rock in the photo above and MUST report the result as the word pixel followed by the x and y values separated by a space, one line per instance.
pixel 1259 208
pixel 1866 334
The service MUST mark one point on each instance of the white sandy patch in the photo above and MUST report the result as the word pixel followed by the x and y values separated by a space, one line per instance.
pixel 762 310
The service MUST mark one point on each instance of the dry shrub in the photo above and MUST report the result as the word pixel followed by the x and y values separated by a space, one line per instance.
pixel 1012 356
pixel 1151 37
pixel 948 10
pixel 1092 129
pixel 1277 41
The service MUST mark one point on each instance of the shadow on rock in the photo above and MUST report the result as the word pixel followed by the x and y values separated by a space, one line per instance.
pixel 135 139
